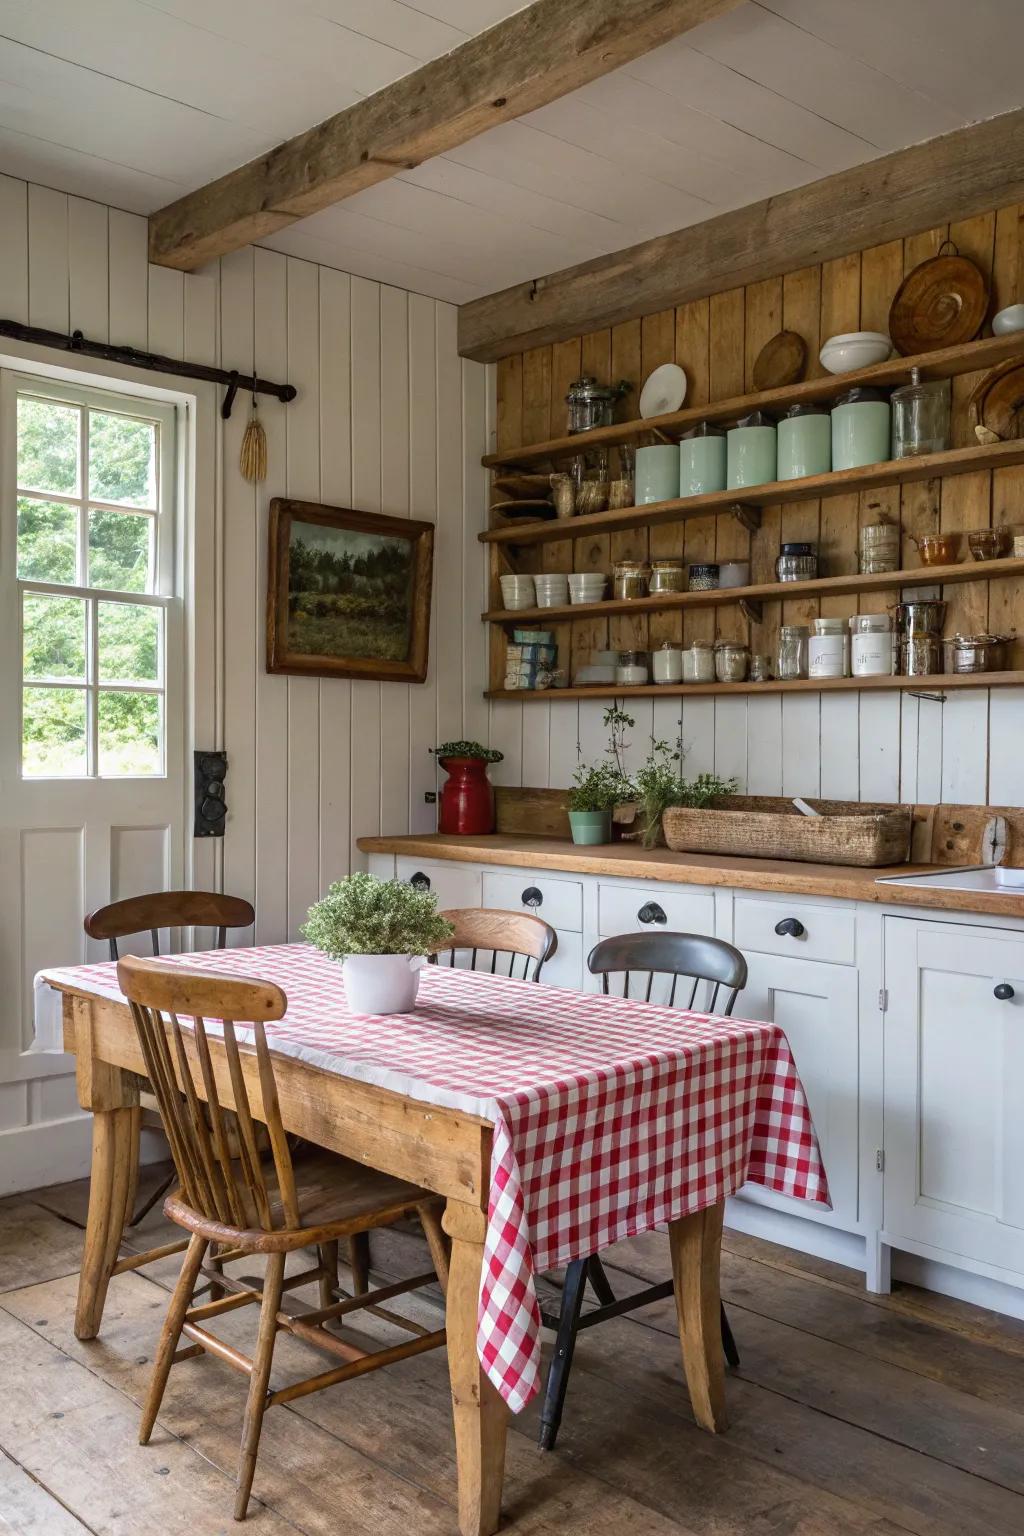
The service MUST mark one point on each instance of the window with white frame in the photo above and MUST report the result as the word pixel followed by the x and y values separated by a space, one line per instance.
pixel 95 578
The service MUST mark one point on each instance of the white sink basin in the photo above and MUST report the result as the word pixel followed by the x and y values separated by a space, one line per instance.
pixel 980 878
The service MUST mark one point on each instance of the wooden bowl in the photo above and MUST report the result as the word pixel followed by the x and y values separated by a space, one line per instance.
pixel 941 303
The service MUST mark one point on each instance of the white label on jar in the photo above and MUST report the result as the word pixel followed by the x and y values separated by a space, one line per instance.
pixel 872 654
pixel 826 656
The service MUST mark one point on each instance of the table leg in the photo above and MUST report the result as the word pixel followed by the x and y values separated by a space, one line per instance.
pixel 112 1096
pixel 481 1417
pixel 696 1244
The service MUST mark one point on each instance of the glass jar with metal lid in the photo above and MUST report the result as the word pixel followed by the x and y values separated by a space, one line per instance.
pixel 630 578
pixel 591 404
pixel 872 645
pixel 631 669
pixel 879 547
pixel 667 663
pixel 667 576
pixel 731 661
pixel 805 442
pixel 699 662
pixel 791 659
pixel 920 417
pixel 796 562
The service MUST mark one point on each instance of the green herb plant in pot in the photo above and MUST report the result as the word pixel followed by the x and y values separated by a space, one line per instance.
pixel 382 932
pixel 593 795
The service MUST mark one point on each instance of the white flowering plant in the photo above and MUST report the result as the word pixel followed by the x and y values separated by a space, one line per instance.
pixel 366 916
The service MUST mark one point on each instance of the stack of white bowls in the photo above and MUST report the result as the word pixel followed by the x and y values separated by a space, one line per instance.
pixel 518 592
pixel 552 589
pixel 587 586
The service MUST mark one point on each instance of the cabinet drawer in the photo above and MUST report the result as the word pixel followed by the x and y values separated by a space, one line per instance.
pixel 454 885
pixel 653 908
pixel 558 902
pixel 821 933
pixel 565 969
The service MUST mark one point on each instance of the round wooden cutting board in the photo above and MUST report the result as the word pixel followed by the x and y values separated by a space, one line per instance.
pixel 781 361
pixel 941 303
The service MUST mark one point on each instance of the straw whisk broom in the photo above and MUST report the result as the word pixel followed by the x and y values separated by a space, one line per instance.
pixel 252 460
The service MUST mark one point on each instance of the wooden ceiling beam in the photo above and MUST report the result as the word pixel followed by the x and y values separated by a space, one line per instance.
pixel 531 58
pixel 951 177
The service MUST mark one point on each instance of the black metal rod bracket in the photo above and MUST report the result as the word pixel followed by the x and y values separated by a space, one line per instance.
pixel 152 362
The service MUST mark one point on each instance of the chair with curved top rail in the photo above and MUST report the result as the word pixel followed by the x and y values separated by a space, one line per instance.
pixel 698 959
pixel 253 1205
pixel 488 931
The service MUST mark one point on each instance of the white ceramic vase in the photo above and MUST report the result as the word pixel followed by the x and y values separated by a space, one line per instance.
pixel 382 983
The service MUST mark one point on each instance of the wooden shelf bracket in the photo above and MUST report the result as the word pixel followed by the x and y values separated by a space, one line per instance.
pixel 748 517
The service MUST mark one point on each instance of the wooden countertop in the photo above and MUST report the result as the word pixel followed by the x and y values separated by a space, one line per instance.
pixel 631 862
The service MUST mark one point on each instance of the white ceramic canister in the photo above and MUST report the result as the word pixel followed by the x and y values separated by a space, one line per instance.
pixel 667 663
pixel 860 429
pixel 657 473
pixel 702 461
pixel 699 663
pixel 871 647
pixel 751 451
pixel 828 649
pixel 804 442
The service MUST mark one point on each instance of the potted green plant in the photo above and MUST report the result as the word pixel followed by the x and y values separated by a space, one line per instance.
pixel 593 795
pixel 659 785
pixel 381 931
pixel 467 799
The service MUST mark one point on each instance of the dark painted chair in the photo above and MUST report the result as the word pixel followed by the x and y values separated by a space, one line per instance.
pixel 684 957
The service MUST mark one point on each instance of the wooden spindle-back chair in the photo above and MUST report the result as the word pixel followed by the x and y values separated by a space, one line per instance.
pixel 508 938
pixel 149 913
pixel 254 1205
pixel 698 959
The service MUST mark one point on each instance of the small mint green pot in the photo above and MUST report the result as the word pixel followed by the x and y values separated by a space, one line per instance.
pixel 591 826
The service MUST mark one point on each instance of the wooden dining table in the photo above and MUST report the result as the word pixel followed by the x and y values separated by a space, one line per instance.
pixel 441 1148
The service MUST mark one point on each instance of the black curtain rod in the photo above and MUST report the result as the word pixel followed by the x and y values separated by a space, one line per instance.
pixel 152 361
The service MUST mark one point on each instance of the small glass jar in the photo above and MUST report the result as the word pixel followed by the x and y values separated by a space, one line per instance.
pixel 760 668
pixel 920 655
pixel 704 578
pixel 920 417
pixel 791 661
pixel 828 649
pixel 631 669
pixel 630 578
pixel 872 649
pixel 667 663
pixel 667 576
pixel 879 547
pixel 731 661
pixel 796 562
pixel 699 663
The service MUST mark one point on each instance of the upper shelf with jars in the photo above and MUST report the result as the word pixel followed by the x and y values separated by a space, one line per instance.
pixel 944 363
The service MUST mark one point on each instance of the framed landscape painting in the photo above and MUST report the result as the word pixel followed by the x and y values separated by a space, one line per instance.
pixel 348 593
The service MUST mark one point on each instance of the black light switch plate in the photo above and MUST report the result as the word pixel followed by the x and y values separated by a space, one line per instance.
pixel 211 808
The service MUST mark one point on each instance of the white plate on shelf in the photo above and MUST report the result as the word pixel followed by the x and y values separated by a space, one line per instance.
pixel 664 390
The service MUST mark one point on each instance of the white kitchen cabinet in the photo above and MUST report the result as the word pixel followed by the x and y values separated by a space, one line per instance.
pixel 815 1004
pixel 454 885
pixel 954 1090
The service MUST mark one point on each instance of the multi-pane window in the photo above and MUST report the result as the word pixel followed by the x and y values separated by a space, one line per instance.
pixel 95 574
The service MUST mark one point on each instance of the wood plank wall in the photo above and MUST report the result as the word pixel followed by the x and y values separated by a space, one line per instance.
pixel 388 418
pixel 870 746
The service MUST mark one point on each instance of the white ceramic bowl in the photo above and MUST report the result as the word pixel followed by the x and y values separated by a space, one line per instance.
pixel 518 592
pixel 854 349
pixel 1008 320
pixel 587 588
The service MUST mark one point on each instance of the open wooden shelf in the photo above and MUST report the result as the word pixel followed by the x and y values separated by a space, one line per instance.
pixel 938 681
pixel 954 461
pixel 765 592
pixel 942 364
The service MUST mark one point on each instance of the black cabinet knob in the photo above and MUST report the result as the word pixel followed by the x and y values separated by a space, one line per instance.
pixel 419 881
pixel 651 913
pixel 531 897
pixel 1003 991
pixel 790 928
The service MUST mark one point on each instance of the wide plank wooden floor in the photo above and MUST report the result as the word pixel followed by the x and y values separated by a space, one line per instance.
pixel 851 1415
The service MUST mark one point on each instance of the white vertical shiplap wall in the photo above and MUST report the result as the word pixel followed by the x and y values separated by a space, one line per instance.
pixel 388 418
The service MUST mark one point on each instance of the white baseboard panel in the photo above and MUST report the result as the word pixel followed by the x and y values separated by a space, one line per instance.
pixel 32 1156
pixel 56 1151
pixel 950 1280
pixel 815 1237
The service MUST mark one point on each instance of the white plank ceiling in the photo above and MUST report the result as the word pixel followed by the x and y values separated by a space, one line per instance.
pixel 135 102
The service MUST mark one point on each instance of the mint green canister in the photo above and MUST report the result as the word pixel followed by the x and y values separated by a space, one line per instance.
pixel 860 429
pixel 702 461
pixel 805 442
pixel 657 473
pixel 750 450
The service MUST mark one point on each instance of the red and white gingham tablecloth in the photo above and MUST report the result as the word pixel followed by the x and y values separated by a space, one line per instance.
pixel 610 1116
